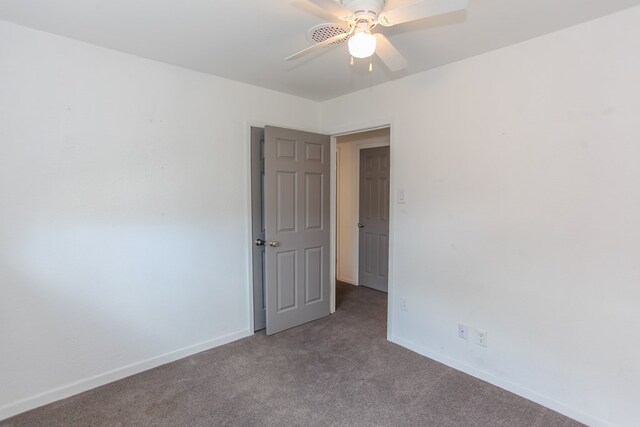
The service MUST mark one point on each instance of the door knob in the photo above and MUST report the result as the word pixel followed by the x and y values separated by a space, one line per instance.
pixel 360 225
pixel 274 243
pixel 260 242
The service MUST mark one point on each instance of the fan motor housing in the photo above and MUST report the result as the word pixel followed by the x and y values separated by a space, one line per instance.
pixel 364 7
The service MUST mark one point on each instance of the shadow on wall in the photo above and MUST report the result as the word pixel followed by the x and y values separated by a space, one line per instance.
pixel 79 301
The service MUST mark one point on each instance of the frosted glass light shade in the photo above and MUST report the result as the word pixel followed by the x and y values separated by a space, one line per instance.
pixel 362 45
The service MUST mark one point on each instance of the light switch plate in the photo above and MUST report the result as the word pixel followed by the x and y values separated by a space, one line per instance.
pixel 402 196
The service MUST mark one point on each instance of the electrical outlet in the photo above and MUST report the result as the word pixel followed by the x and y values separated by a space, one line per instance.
pixel 481 337
pixel 462 331
pixel 403 304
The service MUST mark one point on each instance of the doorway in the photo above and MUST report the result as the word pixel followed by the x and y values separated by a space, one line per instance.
pixel 362 208
pixel 343 154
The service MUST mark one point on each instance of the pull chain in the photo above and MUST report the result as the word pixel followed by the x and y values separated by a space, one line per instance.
pixel 370 64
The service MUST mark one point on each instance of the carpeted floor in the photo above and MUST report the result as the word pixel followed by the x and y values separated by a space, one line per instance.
pixel 339 370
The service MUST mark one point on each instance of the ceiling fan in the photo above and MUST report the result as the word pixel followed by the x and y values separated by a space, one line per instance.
pixel 362 16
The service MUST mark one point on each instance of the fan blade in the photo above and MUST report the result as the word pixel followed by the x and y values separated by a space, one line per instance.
pixel 389 54
pixel 419 10
pixel 334 8
pixel 317 46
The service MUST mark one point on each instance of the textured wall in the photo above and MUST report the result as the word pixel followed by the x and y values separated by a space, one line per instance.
pixel 523 198
pixel 123 212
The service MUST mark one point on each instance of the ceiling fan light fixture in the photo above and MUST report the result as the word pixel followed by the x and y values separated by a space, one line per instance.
pixel 362 44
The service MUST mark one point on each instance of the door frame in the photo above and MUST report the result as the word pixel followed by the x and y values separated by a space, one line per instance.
pixel 252 237
pixel 348 130
pixel 334 133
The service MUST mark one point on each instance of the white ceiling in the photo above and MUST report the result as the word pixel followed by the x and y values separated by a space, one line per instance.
pixel 246 40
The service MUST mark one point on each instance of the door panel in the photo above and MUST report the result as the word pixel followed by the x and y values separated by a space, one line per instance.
pixel 368 259
pixel 286 280
pixel 297 223
pixel 314 152
pixel 286 205
pixel 313 201
pixel 313 275
pixel 374 218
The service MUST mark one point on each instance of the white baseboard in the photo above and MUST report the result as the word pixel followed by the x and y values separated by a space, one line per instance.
pixel 504 384
pixel 345 280
pixel 76 387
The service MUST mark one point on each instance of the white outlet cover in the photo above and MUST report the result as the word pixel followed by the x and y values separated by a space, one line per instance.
pixel 403 304
pixel 481 337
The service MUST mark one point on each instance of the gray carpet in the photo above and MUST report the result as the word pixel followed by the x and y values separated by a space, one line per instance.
pixel 339 370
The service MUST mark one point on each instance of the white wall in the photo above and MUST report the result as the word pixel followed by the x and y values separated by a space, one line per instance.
pixel 522 172
pixel 123 212
pixel 348 193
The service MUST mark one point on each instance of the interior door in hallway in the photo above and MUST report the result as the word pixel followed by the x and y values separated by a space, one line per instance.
pixel 297 167
pixel 373 258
